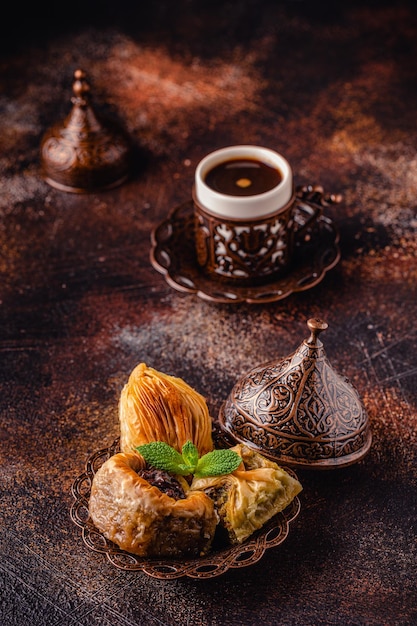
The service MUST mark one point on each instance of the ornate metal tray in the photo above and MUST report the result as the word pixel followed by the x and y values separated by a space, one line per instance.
pixel 173 255
pixel 217 562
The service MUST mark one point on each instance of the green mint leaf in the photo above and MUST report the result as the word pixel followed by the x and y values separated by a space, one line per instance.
pixel 217 462
pixel 162 456
pixel 190 455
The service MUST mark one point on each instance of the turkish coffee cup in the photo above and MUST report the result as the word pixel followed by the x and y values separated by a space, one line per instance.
pixel 244 202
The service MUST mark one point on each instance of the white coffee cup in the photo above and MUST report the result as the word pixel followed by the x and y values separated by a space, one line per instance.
pixel 243 207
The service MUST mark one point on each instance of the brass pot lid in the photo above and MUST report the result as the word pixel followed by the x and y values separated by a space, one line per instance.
pixel 298 410
pixel 85 153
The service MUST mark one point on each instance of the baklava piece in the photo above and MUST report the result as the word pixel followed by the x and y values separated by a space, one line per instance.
pixel 148 512
pixel 246 499
pixel 154 406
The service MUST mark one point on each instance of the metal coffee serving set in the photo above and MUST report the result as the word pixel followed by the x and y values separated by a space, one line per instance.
pixel 246 235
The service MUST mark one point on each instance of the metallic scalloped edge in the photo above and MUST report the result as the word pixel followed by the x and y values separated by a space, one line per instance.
pixel 218 562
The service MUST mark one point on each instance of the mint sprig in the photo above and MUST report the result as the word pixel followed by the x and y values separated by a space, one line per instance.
pixel 215 463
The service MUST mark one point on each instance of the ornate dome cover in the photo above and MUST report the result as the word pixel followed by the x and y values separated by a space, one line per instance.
pixel 85 153
pixel 299 411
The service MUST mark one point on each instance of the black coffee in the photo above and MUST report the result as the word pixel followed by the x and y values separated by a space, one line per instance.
pixel 243 177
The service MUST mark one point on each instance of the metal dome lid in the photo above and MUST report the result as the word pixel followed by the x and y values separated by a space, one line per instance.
pixel 298 411
pixel 85 153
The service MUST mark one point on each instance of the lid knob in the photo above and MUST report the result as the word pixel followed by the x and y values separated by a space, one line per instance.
pixel 316 326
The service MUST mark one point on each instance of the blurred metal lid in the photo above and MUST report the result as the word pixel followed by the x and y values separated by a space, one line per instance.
pixel 85 153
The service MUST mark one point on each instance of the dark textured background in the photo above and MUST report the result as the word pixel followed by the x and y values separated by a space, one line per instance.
pixel 335 90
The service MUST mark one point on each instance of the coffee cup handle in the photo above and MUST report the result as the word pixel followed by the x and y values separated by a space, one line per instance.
pixel 310 201
pixel 306 216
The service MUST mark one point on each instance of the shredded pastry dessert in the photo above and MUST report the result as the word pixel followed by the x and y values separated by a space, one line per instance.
pixel 155 406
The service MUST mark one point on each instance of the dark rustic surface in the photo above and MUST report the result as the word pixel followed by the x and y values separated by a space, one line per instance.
pixel 335 90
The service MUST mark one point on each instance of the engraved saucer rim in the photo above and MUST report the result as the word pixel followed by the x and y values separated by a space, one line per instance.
pixel 193 281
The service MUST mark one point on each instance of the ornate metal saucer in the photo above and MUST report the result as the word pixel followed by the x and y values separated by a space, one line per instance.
pixel 216 563
pixel 85 153
pixel 173 255
pixel 298 410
